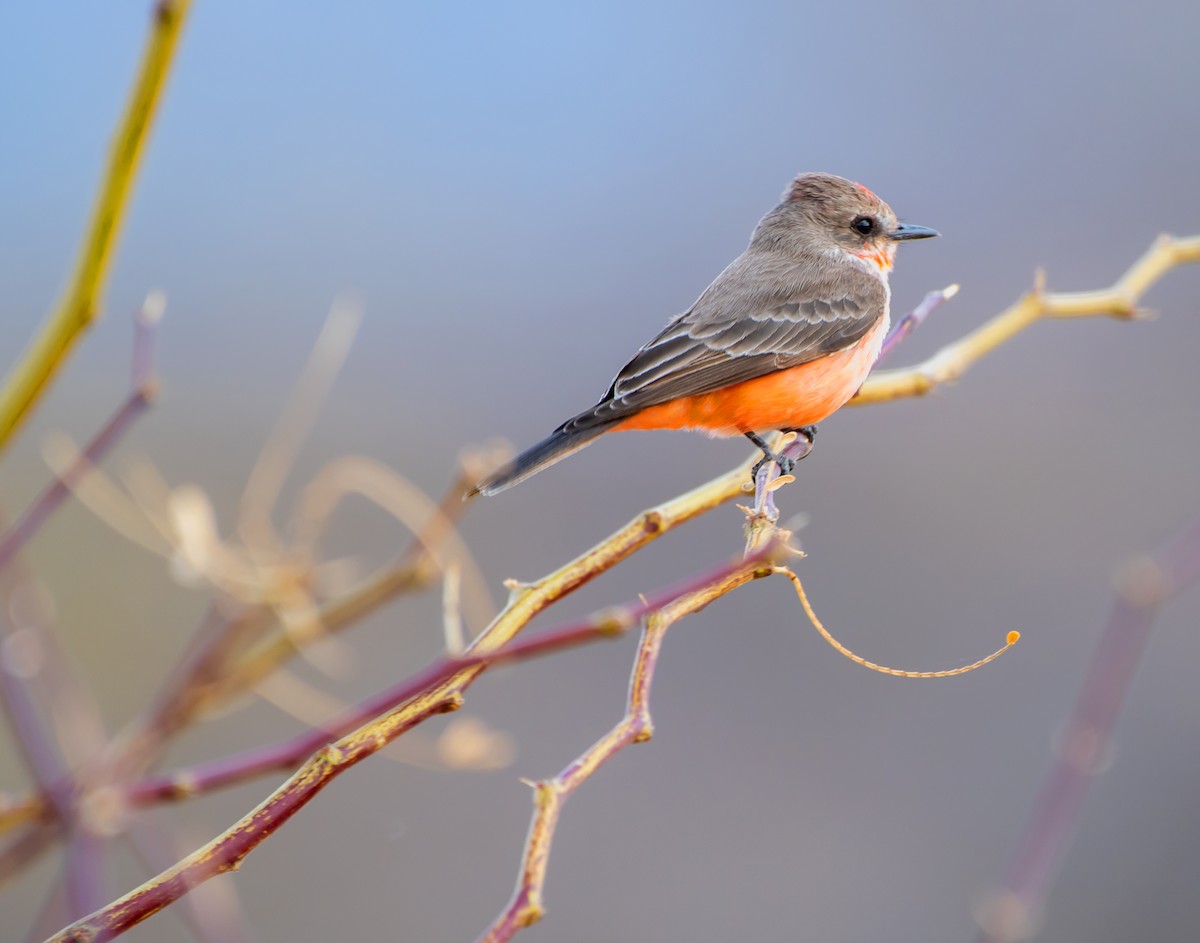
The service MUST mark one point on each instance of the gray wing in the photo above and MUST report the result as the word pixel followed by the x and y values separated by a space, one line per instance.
pixel 713 345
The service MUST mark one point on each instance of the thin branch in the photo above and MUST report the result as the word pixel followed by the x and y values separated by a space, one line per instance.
pixel 80 304
pixel 288 754
pixel 33 738
pixel 951 362
pixel 914 319
pixel 549 795
pixel 437 690
pixel 20 810
pixel 86 888
pixel 229 657
pixel 213 917
pixel 42 756
pixel 141 396
pixel 25 848
pixel 1012 913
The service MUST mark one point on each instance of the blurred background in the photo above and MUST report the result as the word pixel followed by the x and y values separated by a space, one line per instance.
pixel 520 195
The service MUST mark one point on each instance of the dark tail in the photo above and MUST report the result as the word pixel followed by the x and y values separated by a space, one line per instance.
pixel 558 445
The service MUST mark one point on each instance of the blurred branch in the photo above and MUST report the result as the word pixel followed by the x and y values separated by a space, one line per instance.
pixel 288 754
pixel 1145 585
pixel 80 304
pixel 141 395
pixel 16 680
pixel 230 656
pixel 20 810
pixel 436 690
pixel 952 361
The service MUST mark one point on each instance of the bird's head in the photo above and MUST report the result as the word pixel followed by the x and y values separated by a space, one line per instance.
pixel 825 215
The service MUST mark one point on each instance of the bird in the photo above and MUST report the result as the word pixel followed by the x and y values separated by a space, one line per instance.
pixel 781 339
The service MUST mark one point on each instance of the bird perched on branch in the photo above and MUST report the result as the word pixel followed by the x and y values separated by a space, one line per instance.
pixel 780 340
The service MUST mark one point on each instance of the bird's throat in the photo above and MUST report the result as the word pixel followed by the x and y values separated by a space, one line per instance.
pixel 881 258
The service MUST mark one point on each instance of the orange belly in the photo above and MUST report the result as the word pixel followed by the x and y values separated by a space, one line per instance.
pixel 797 396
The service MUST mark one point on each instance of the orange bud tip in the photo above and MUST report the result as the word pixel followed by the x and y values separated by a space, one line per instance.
pixel 1013 637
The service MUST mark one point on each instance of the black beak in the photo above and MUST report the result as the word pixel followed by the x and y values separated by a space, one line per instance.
pixel 905 231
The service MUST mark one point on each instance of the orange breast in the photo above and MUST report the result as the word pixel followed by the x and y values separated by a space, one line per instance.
pixel 798 396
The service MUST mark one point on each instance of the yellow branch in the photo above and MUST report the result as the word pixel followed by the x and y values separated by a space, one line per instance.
pixel 79 304
pixel 952 361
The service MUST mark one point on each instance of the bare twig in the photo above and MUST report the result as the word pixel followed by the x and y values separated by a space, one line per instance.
pixel 288 754
pixel 24 648
pixel 436 690
pixel 951 362
pixel 140 397
pixel 914 319
pixel 80 303
pixel 549 795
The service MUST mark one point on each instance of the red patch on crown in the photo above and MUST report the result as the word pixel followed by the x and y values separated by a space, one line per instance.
pixel 865 190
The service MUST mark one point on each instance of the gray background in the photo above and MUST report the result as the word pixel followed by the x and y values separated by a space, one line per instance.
pixel 521 194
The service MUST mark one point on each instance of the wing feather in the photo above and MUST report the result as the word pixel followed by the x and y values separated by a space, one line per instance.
pixel 736 332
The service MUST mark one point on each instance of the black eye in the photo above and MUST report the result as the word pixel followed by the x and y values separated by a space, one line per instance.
pixel 864 225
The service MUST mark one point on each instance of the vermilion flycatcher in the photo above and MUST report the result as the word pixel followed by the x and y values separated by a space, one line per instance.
pixel 782 338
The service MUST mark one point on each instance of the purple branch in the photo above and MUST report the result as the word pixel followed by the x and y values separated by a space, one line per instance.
pixel 145 324
pixel 85 885
pixel 210 921
pixel 913 320
pixel 19 667
pixel 1146 586
pixel 15 688
pixel 288 754
pixel 135 404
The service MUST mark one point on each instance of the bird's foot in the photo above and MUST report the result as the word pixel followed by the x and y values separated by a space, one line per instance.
pixel 806 432
pixel 786 463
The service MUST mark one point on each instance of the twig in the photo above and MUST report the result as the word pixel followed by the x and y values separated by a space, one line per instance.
pixel 914 319
pixel 84 866
pixel 79 305
pixel 1012 913
pixel 26 848
pixel 287 754
pixel 436 690
pixel 549 795
pixel 46 765
pixel 140 397
pixel 952 361
pixel 228 657
pixel 42 758
pixel 211 921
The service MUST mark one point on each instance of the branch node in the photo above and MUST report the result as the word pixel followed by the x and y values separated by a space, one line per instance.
pixel 1039 284
pixel 531 912
pixel 652 521
pixel 453 702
